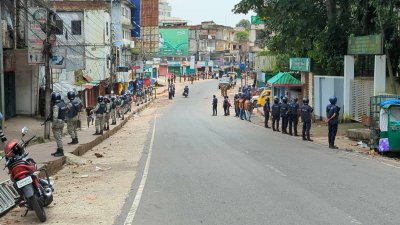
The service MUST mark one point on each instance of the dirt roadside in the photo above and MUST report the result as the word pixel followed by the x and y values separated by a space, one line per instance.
pixel 94 193
pixel 93 189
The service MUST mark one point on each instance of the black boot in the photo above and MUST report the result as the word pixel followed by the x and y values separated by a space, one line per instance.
pixel 76 141
pixel 58 153
pixel 72 142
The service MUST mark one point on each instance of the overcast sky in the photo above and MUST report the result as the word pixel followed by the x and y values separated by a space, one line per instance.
pixel 196 11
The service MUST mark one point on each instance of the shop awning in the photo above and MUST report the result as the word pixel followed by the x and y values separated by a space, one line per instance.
pixel 283 79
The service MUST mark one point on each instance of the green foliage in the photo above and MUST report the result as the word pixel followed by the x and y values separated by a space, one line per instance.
pixel 320 29
pixel 244 23
pixel 242 36
pixel 135 51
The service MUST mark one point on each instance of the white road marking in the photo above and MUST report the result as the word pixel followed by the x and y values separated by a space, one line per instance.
pixel 135 205
pixel 387 164
pixel 276 170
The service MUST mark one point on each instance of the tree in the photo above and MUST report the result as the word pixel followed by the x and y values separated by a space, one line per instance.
pixel 242 36
pixel 244 23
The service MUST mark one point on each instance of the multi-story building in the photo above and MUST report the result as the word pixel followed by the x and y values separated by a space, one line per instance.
pixel 164 9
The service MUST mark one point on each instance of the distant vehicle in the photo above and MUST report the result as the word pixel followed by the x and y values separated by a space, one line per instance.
pixel 259 100
pixel 225 80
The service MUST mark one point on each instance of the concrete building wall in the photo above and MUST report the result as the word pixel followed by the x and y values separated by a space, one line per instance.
pixel 67 37
pixel 324 87
pixel 26 85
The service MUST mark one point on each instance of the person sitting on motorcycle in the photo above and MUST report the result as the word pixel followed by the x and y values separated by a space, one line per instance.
pixel 186 90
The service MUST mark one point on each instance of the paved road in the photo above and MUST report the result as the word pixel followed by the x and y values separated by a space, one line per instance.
pixel 220 170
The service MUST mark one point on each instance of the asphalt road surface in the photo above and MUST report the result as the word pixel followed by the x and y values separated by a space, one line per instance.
pixel 220 170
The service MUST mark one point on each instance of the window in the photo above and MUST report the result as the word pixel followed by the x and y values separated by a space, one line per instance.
pixel 76 27
pixel 106 28
pixel 59 29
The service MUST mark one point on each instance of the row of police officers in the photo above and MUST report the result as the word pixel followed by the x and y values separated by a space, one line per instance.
pixel 289 113
pixel 106 109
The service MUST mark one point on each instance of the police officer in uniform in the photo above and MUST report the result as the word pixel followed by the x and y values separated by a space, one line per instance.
pixel 107 113
pixel 58 117
pixel 306 114
pixel 276 113
pixel 113 110
pixel 267 110
pixel 72 117
pixel 100 110
pixel 284 114
pixel 294 117
pixel 332 118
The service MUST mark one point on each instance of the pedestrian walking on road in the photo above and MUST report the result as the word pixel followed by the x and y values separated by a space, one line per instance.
pixel 267 111
pixel 99 110
pixel 229 105
pixel 247 108
pixel 58 117
pixel 215 104
pixel 284 114
pixel 294 117
pixel 236 105
pixel 276 114
pixel 306 115
pixel 73 108
pixel 332 114
pixel 241 107
pixel 225 105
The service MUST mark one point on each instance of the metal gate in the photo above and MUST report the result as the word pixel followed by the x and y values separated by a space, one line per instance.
pixel 361 92
pixel 7 196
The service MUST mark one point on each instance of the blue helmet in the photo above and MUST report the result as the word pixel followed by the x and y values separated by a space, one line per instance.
pixel 333 100
pixel 71 95
pixel 100 99
pixel 55 96
pixel 305 101
pixel 285 99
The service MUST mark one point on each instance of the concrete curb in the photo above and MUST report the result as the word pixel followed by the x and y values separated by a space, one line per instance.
pixel 56 165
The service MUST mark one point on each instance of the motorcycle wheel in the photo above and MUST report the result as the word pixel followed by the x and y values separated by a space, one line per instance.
pixel 48 201
pixel 38 208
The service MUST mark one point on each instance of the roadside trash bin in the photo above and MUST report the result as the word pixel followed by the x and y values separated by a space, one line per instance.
pixel 390 126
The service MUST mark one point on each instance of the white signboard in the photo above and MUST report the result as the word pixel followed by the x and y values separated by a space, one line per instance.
pixel 192 62
pixel 36 20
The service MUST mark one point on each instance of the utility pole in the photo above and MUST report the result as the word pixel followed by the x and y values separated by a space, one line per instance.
pixel 1 70
pixel 111 49
pixel 47 50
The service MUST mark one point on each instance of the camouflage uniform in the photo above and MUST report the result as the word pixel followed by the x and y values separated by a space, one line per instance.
pixel 99 119
pixel 72 122
pixel 107 116
pixel 58 123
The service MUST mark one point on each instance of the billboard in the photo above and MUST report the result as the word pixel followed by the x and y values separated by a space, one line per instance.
pixel 365 45
pixel 174 42
pixel 300 64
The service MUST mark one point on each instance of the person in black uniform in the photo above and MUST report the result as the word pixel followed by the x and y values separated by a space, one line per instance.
pixel 332 118
pixel 276 113
pixel 294 117
pixel 284 114
pixel 306 114
pixel 267 110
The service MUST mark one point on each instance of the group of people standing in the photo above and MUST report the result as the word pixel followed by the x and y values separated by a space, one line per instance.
pixel 226 105
pixel 106 108
pixel 290 113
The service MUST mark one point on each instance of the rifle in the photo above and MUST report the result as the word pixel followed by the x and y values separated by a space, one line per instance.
pixel 49 118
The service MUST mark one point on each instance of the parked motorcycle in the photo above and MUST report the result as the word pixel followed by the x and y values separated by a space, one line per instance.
pixel 35 193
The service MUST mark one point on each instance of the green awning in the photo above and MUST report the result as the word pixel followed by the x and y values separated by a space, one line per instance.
pixel 283 79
